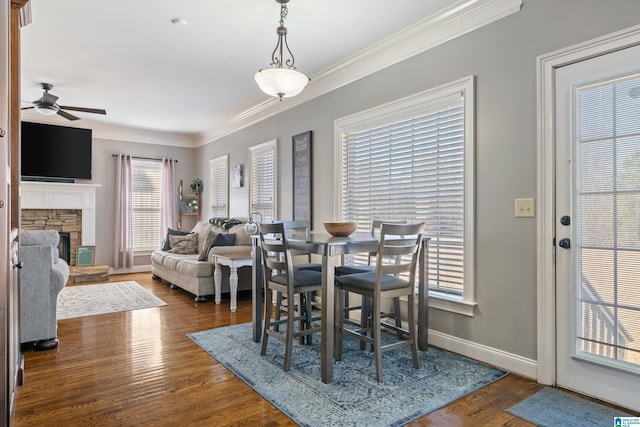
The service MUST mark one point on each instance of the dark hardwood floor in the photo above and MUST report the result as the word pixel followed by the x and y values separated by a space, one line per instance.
pixel 139 368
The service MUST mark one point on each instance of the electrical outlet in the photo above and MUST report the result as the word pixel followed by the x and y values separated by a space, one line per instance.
pixel 525 208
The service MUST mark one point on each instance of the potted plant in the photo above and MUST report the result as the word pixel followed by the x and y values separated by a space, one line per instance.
pixel 196 186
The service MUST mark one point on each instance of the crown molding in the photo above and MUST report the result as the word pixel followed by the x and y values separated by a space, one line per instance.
pixel 113 132
pixel 447 24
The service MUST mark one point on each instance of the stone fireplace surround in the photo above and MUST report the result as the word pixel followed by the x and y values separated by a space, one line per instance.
pixel 63 205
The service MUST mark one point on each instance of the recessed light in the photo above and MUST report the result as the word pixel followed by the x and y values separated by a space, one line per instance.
pixel 178 21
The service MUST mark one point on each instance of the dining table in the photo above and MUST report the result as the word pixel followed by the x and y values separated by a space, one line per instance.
pixel 331 249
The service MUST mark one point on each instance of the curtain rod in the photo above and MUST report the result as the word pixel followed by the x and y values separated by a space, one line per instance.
pixel 145 158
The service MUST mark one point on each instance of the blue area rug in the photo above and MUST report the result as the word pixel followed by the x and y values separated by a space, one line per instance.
pixel 354 398
pixel 551 407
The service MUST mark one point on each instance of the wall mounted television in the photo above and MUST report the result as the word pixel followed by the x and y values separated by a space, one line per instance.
pixel 55 153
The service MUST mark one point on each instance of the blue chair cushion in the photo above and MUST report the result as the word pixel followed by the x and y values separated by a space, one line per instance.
pixel 341 270
pixel 308 266
pixel 365 281
pixel 300 278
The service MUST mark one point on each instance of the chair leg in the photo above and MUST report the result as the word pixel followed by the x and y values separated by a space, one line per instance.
pixel 396 315
pixel 278 310
pixel 365 312
pixel 412 333
pixel 337 351
pixel 308 315
pixel 377 337
pixel 291 315
pixel 267 320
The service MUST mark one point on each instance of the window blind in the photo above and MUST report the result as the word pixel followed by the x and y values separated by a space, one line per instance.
pixel 412 168
pixel 219 186
pixel 608 217
pixel 263 181
pixel 146 176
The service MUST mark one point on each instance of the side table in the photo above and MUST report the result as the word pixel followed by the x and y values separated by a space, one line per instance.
pixel 233 261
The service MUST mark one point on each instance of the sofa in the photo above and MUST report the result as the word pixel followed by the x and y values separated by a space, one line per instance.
pixel 42 277
pixel 186 258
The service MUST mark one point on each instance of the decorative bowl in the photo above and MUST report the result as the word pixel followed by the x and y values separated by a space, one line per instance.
pixel 340 229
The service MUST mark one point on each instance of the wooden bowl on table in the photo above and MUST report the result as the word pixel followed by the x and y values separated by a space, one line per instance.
pixel 340 229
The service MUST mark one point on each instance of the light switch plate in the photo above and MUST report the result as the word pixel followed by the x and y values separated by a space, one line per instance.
pixel 525 208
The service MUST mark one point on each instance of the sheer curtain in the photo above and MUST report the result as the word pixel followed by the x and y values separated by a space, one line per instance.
pixel 122 244
pixel 167 198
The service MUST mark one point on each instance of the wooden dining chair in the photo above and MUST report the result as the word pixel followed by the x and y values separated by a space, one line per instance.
pixel 365 305
pixel 393 276
pixel 300 230
pixel 280 276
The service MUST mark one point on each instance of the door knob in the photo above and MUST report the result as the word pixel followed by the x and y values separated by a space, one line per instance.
pixel 564 243
pixel 565 220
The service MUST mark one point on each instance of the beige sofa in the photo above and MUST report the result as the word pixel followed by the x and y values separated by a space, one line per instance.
pixel 187 272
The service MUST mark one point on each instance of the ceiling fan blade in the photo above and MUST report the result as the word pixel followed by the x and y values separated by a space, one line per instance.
pixel 27 108
pixel 67 115
pixel 47 98
pixel 86 110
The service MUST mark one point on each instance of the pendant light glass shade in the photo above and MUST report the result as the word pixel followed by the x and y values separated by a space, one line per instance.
pixel 281 82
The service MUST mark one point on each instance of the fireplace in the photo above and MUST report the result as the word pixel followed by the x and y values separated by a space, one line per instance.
pixel 67 208
pixel 64 247
pixel 67 222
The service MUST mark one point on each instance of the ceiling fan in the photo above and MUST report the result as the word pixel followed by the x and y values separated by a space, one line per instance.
pixel 47 106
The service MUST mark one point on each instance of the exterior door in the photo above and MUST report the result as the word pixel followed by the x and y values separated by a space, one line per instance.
pixel 597 225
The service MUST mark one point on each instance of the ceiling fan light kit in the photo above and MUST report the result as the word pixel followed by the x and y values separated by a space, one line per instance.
pixel 280 81
pixel 47 105
pixel 46 110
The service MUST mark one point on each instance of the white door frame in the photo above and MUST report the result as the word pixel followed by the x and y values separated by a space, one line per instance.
pixel 546 272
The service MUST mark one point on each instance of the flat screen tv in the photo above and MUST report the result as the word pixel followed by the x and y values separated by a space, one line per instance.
pixel 57 153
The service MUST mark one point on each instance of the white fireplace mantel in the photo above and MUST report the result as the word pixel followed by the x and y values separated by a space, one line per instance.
pixel 56 195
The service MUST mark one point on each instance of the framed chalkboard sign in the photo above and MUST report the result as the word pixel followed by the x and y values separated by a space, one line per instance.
pixel 86 256
pixel 302 174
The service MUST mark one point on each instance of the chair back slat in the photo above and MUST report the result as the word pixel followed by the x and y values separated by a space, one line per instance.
pixel 397 240
pixel 275 251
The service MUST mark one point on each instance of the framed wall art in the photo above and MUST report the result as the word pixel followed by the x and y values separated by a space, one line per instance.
pixel 302 177
pixel 237 176
pixel 86 256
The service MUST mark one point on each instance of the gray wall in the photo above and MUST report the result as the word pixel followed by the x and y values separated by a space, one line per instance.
pixel 502 56
pixel 103 173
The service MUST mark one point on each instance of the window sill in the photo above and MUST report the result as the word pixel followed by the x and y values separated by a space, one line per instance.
pixel 454 304
pixel 143 252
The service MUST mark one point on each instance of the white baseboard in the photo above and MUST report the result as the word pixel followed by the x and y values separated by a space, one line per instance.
pixel 134 269
pixel 492 356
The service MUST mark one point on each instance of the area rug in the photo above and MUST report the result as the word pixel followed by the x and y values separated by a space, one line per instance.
pixel 354 398
pixel 90 300
pixel 552 407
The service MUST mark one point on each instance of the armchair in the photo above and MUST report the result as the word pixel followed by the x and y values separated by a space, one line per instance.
pixel 42 277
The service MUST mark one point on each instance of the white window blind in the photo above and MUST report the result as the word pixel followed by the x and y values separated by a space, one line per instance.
pixel 146 176
pixel 607 204
pixel 406 161
pixel 219 186
pixel 263 192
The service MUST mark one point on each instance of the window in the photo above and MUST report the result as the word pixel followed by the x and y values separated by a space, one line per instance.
pixel 263 194
pixel 412 160
pixel 146 177
pixel 219 186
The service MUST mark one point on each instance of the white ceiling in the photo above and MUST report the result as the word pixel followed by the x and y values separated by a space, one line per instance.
pixel 127 57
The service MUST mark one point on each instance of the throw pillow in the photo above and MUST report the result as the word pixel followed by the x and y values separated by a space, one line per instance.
pixel 186 245
pixel 224 240
pixel 211 237
pixel 166 244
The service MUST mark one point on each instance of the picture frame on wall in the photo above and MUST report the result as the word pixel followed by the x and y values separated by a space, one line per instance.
pixel 237 176
pixel 302 177
pixel 86 256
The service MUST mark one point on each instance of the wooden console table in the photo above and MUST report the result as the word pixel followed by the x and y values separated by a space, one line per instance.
pixel 233 261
